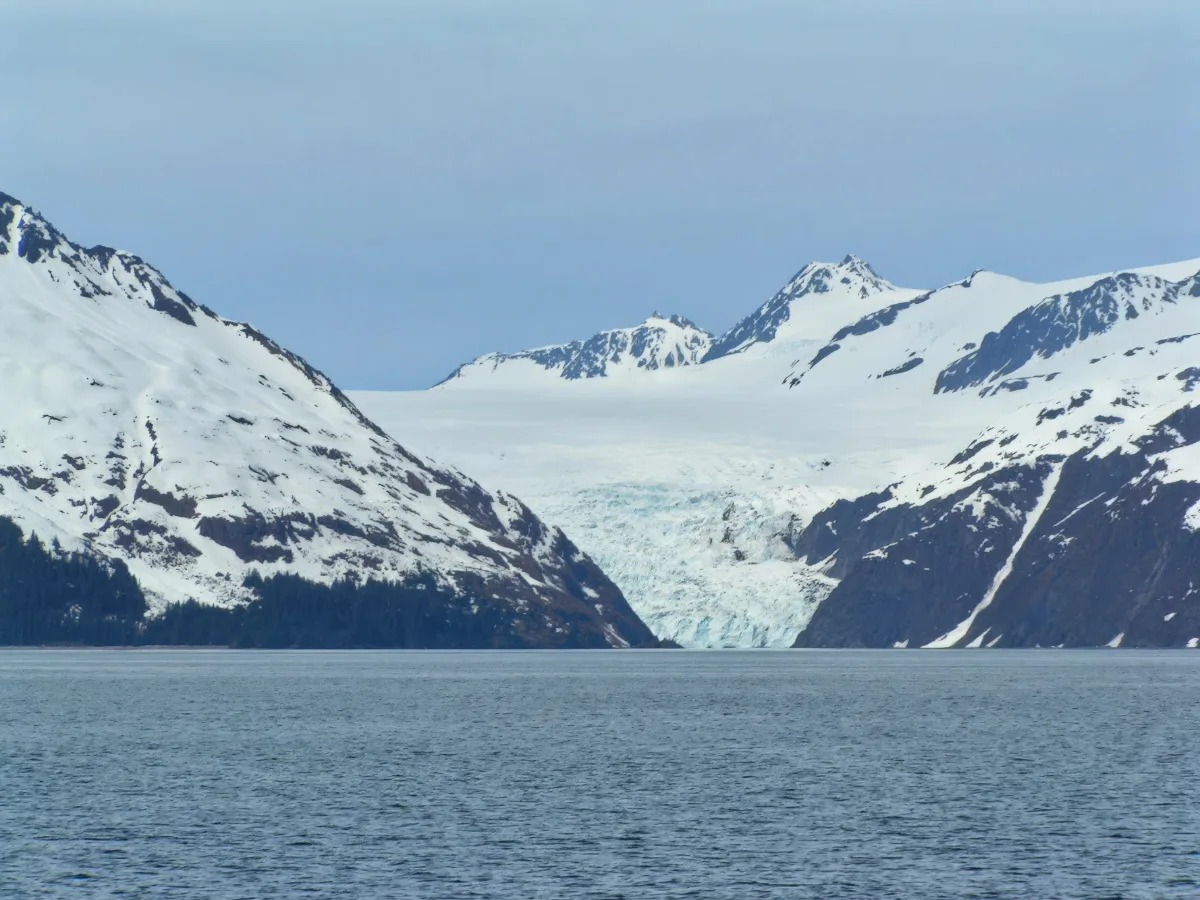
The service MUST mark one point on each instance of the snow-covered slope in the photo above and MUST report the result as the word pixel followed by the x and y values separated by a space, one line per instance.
pixel 139 425
pixel 660 342
pixel 859 464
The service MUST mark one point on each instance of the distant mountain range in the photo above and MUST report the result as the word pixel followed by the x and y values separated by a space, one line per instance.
pixel 661 342
pixel 144 435
pixel 667 342
pixel 992 463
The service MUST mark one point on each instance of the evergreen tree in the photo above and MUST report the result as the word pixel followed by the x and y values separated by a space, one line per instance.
pixel 51 596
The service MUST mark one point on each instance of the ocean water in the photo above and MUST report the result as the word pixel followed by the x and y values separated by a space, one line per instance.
pixel 224 774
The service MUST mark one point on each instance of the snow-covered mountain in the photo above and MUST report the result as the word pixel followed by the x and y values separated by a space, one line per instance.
pixel 995 462
pixel 1069 515
pixel 660 342
pixel 817 299
pixel 138 425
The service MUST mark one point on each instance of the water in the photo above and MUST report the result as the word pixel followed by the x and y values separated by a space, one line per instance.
pixel 222 775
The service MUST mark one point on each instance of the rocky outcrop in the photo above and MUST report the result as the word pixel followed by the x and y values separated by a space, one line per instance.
pixel 1084 550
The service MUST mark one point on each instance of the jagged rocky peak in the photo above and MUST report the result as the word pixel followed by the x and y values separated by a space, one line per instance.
pixel 143 429
pixel 656 319
pixel 849 283
pixel 91 271
pixel 660 342
pixel 24 232
pixel 852 276
pixel 852 273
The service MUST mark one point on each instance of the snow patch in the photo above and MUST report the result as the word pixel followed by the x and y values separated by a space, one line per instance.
pixel 1191 518
pixel 978 641
pixel 956 634
pixel 614 637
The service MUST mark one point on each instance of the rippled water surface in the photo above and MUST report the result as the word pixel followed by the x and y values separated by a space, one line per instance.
pixel 223 775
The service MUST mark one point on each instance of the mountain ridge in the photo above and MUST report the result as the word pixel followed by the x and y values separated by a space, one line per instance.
pixel 658 342
pixel 650 345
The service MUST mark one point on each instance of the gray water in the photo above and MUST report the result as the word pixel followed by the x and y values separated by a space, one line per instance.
pixel 215 774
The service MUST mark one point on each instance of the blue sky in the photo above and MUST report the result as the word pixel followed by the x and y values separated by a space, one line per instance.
pixel 391 188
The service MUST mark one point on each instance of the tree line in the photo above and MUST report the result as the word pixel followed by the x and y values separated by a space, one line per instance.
pixel 49 596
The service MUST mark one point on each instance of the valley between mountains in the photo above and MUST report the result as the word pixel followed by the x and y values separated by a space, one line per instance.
pixel 992 463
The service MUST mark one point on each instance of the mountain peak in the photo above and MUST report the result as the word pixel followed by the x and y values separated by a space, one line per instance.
pixel 659 342
pixel 862 268
pixel 28 234
pixel 852 279
pixel 853 273
pixel 657 319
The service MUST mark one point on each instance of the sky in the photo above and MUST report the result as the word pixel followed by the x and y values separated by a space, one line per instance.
pixel 393 187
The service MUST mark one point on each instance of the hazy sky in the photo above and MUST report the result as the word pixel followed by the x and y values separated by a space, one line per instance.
pixel 391 188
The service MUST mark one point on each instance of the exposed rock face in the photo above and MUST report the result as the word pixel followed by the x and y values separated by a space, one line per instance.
pixel 144 427
pixel 1099 547
pixel 1106 556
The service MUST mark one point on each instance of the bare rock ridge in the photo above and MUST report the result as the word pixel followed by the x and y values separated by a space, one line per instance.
pixel 142 430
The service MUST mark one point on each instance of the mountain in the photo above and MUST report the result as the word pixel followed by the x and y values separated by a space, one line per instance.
pixel 142 430
pixel 816 299
pixel 660 342
pixel 993 462
pixel 1069 518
